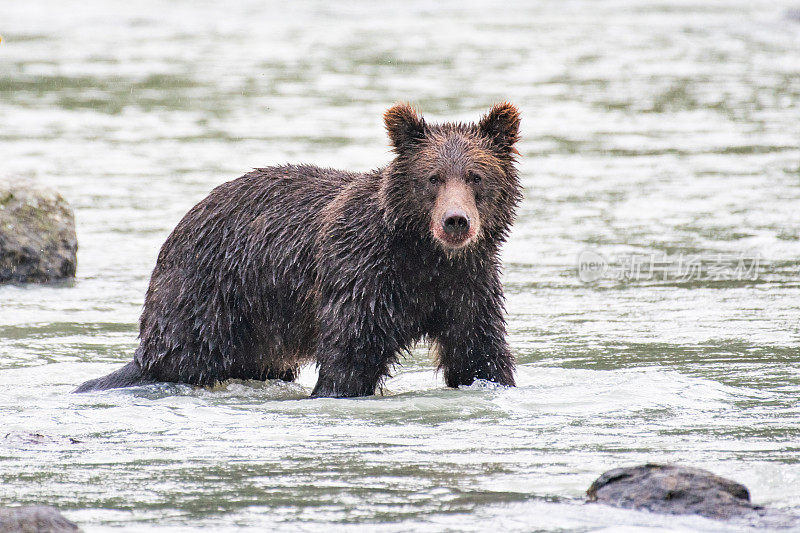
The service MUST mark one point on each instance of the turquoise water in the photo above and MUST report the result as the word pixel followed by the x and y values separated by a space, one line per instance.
pixel 657 134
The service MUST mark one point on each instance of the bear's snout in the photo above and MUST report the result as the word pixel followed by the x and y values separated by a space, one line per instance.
pixel 456 223
pixel 455 220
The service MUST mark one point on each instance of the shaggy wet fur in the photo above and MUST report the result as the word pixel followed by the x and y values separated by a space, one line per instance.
pixel 293 264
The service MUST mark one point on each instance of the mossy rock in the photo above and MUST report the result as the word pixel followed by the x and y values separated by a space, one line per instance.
pixel 37 234
pixel 35 519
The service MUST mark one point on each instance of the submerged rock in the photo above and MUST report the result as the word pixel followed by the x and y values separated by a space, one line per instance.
pixel 37 235
pixel 35 519
pixel 23 438
pixel 672 489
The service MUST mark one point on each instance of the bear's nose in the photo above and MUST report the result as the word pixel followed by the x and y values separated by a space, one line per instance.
pixel 455 222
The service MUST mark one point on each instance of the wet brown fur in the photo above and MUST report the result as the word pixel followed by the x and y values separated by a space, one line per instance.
pixel 294 264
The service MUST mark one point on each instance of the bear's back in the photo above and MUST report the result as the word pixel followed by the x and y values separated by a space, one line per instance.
pixel 239 268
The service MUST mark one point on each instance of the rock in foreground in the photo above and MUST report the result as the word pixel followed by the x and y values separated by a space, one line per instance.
pixel 35 519
pixel 37 235
pixel 672 489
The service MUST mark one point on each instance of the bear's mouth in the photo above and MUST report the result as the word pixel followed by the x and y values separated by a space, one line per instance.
pixel 451 240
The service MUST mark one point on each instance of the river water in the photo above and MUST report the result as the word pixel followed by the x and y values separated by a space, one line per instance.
pixel 660 154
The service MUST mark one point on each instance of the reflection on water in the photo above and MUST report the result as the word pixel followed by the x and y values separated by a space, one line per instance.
pixel 650 129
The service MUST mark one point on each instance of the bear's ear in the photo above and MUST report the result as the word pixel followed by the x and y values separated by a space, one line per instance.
pixel 404 126
pixel 501 125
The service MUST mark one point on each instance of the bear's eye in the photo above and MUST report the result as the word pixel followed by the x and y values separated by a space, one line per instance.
pixel 474 178
pixel 434 179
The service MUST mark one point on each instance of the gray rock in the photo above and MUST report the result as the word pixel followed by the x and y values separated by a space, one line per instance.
pixel 34 519
pixel 37 235
pixel 672 489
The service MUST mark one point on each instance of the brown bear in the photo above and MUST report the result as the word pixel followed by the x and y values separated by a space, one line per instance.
pixel 293 264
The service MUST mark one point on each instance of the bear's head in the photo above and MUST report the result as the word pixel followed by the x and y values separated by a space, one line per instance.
pixel 456 182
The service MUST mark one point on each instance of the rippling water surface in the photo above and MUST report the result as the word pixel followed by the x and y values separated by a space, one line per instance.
pixel 658 134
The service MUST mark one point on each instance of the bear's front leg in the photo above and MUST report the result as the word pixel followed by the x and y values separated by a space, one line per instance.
pixel 350 374
pixel 471 343
pixel 358 341
pixel 481 354
pixel 352 361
